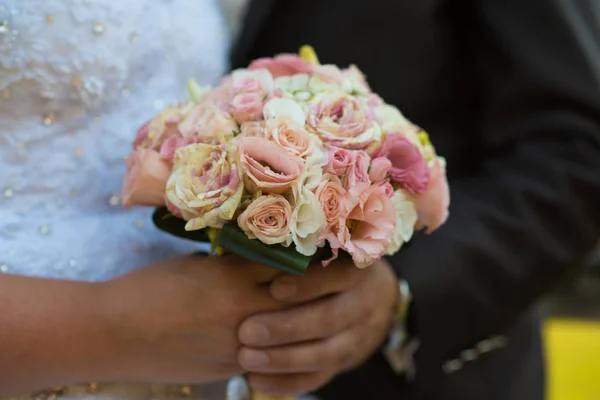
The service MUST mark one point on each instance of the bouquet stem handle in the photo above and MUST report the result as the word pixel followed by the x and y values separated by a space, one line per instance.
pixel 238 389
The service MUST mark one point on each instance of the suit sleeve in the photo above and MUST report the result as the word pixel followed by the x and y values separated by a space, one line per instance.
pixel 532 212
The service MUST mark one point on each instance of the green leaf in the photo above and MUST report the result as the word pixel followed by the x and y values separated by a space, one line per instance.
pixel 286 259
pixel 233 240
pixel 164 220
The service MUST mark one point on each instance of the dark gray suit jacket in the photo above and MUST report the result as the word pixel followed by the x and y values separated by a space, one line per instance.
pixel 509 91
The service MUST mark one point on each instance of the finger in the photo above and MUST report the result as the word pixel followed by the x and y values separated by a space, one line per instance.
pixel 321 355
pixel 257 273
pixel 288 385
pixel 188 372
pixel 260 273
pixel 261 302
pixel 317 320
pixel 317 282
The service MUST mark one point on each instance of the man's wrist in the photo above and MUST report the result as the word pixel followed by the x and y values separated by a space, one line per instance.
pixel 400 346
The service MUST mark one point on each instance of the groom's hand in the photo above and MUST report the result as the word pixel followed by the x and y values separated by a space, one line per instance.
pixel 338 317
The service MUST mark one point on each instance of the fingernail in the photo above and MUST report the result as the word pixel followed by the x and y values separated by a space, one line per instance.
pixel 253 333
pixel 284 290
pixel 254 358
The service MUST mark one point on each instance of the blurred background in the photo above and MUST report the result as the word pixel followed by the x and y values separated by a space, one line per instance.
pixel 572 335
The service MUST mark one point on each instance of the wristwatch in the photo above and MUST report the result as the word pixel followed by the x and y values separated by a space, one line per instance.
pixel 400 348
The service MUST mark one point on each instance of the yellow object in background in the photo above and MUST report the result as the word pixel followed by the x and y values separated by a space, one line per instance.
pixel 308 54
pixel 573 359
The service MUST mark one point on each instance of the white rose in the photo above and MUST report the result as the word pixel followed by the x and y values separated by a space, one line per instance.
pixel 285 108
pixel 406 218
pixel 307 222
pixel 295 87
pixel 329 78
pixel 393 121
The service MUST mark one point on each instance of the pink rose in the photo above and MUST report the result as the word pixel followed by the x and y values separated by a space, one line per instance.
pixel 169 146
pixel 432 205
pixel 283 65
pixel 328 74
pixel 267 219
pixel 339 160
pixel 374 101
pixel 173 209
pixel 220 96
pixel 408 165
pixel 358 173
pixel 268 166
pixel 141 135
pixel 380 167
pixel 386 188
pixel 253 128
pixel 247 107
pixel 156 131
pixel 208 124
pixel 290 135
pixel 146 179
pixel 369 224
pixel 331 196
pixel 259 81
pixel 343 121
pixel 352 166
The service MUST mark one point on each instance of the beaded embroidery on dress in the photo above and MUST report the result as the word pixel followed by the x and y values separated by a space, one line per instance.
pixel 77 78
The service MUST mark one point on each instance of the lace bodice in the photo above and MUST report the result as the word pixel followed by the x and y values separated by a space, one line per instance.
pixel 77 78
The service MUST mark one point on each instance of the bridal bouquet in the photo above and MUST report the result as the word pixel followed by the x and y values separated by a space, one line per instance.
pixel 286 161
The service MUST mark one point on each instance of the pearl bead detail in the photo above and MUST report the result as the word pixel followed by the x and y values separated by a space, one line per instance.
pixel 98 28
pixel 114 199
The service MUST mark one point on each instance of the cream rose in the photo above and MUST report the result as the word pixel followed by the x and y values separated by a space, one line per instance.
pixel 205 186
pixel 343 121
pixel 290 135
pixel 267 219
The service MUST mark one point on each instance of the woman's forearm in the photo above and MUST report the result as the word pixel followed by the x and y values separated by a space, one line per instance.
pixel 51 333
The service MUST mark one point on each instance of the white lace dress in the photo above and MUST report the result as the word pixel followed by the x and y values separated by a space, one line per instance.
pixel 77 77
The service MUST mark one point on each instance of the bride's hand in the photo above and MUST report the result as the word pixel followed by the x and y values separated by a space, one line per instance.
pixel 176 321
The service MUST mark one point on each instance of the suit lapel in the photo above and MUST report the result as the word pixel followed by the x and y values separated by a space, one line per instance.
pixel 258 11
